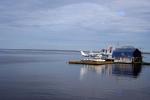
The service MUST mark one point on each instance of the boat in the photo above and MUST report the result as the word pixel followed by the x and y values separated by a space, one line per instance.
pixel 101 56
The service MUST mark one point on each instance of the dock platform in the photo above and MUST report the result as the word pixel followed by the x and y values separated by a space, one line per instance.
pixel 90 62
pixel 87 62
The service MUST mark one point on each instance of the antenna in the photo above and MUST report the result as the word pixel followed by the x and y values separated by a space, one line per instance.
pixel 118 44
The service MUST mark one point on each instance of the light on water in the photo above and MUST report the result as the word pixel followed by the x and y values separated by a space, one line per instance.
pixel 46 75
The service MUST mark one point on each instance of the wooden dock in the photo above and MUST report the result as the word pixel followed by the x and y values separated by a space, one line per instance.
pixel 88 62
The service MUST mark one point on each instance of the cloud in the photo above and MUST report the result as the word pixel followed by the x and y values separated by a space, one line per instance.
pixel 118 19
pixel 98 18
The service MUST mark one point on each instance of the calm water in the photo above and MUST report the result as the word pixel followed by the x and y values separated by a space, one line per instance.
pixel 46 75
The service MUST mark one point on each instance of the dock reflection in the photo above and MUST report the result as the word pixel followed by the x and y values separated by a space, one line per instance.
pixel 124 70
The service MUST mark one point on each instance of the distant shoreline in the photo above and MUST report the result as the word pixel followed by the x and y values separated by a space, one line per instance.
pixel 145 52
pixel 51 50
pixel 41 50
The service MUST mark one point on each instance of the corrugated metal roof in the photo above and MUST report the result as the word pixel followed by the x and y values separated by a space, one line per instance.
pixel 123 52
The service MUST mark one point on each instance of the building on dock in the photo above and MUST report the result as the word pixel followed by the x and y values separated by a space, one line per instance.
pixel 127 55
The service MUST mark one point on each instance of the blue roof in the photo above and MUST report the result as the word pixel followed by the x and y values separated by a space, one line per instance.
pixel 123 52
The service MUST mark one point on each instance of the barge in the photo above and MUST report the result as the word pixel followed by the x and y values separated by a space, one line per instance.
pixel 123 55
pixel 88 62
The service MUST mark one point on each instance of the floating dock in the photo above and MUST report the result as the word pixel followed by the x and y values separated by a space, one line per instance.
pixel 123 55
pixel 88 62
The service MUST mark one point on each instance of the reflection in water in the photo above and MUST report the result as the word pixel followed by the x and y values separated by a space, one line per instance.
pixel 130 70
pixel 126 70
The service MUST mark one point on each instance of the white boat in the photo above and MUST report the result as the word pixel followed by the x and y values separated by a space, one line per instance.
pixel 93 56
pixel 99 60
pixel 103 55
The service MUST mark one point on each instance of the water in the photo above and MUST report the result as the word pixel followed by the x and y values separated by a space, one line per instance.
pixel 46 75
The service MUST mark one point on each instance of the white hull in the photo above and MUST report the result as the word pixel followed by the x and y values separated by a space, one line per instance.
pixel 98 60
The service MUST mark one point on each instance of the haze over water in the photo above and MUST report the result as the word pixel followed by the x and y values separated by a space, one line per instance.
pixel 46 75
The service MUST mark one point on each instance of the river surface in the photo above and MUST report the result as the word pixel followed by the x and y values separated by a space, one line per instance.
pixel 46 75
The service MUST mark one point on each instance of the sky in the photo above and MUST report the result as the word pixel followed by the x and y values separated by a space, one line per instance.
pixel 74 24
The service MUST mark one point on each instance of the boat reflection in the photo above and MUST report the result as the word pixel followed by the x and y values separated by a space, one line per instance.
pixel 124 70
